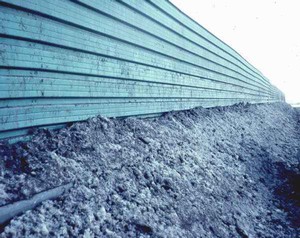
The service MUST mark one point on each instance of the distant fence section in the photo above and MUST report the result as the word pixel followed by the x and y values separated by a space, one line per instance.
pixel 63 61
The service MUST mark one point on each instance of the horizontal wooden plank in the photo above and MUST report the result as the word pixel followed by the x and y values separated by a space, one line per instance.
pixel 51 105
pixel 64 113
pixel 120 30
pixel 45 84
pixel 64 61
pixel 180 80
pixel 133 17
pixel 67 10
pixel 33 55
pixel 186 22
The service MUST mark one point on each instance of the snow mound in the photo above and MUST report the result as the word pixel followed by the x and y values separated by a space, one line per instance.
pixel 218 172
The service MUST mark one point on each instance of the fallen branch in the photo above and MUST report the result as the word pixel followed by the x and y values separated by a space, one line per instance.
pixel 9 211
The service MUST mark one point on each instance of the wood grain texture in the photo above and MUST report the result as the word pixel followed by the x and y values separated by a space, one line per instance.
pixel 63 61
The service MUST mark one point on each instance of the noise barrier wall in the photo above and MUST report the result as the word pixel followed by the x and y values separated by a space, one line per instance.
pixel 63 61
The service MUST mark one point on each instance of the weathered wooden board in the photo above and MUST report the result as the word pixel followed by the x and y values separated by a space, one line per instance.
pixel 63 61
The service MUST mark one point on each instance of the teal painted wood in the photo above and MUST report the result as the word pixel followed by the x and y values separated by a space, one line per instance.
pixel 21 83
pixel 124 55
pixel 63 61
pixel 188 23
pixel 155 27
pixel 16 52
pixel 33 32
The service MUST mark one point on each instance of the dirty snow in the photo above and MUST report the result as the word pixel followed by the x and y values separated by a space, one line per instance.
pixel 219 172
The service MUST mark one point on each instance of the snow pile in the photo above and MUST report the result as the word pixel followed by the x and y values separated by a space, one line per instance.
pixel 219 172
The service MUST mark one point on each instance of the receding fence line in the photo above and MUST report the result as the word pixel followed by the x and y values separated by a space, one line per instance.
pixel 63 61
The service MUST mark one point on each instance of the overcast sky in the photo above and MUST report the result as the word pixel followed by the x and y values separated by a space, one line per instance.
pixel 264 32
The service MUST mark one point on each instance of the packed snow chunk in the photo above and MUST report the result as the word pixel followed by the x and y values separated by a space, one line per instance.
pixel 218 172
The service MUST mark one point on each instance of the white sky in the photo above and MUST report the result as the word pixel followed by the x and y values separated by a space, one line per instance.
pixel 264 32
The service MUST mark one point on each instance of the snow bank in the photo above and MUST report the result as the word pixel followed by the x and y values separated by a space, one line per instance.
pixel 219 172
